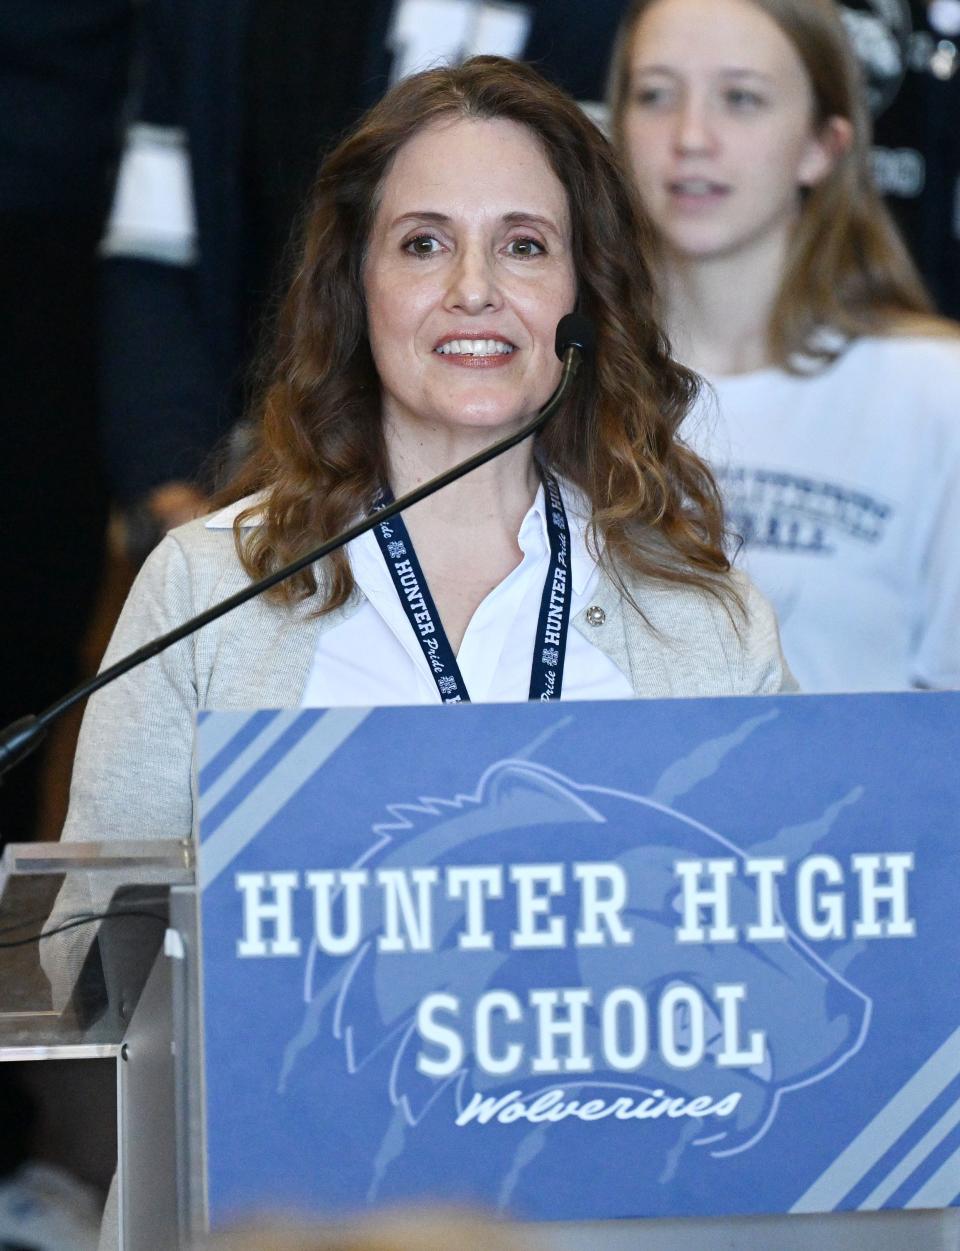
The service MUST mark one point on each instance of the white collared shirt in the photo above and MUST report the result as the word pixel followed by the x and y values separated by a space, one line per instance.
pixel 375 658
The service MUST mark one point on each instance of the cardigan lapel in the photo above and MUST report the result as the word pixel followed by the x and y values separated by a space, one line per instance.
pixel 266 663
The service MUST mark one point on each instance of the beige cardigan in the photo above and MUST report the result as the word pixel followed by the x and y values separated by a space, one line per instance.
pixel 131 777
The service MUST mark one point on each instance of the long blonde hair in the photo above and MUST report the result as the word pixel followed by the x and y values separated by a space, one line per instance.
pixel 847 268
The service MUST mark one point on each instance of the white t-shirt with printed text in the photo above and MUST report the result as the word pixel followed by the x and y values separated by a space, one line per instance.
pixel 845 488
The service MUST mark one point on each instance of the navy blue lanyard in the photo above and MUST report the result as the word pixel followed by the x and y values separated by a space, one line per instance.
pixel 550 645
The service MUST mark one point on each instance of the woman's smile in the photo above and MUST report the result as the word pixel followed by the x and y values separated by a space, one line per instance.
pixel 477 350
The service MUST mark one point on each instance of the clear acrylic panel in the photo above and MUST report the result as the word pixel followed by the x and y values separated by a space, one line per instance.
pixel 80 925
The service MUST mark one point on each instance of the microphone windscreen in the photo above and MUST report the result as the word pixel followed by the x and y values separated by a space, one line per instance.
pixel 575 330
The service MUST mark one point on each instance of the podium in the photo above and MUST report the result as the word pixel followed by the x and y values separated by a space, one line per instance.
pixel 114 1005
pixel 742 897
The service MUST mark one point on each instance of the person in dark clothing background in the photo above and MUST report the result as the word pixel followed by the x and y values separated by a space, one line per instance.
pixel 910 52
pixel 63 67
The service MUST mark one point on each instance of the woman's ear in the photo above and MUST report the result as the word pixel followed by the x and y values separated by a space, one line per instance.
pixel 825 149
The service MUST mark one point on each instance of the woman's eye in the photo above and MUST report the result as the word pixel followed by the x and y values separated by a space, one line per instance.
pixel 649 97
pixel 742 100
pixel 525 248
pixel 422 245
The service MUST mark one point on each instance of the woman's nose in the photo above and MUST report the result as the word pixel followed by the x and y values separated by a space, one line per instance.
pixel 473 281
pixel 694 131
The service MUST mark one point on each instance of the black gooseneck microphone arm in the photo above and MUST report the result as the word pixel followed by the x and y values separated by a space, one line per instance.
pixel 574 342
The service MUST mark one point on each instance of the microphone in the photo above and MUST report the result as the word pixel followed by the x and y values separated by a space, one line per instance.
pixel 574 343
pixel 575 331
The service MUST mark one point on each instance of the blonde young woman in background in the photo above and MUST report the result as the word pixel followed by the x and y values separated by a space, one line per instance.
pixel 837 440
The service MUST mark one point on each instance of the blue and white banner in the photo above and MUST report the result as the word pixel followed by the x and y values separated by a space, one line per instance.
pixel 584 960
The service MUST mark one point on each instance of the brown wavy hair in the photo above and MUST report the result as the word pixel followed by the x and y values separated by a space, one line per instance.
pixel 847 268
pixel 320 455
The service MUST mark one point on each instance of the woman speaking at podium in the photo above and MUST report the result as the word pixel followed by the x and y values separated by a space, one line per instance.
pixel 445 239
